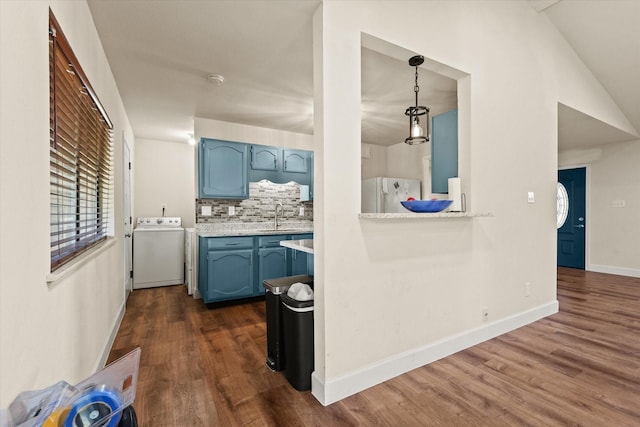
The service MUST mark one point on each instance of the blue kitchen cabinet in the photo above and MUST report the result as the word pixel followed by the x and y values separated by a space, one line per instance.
pixel 265 163
pixel 444 150
pixel 280 165
pixel 264 158
pixel 235 267
pixel 299 259
pixel 296 166
pixel 295 161
pixel 226 268
pixel 273 264
pixel 222 169
pixel 273 259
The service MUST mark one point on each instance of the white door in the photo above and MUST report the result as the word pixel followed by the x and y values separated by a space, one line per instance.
pixel 126 217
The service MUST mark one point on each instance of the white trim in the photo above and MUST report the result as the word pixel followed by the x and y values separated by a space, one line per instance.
pixel 102 361
pixel 79 261
pixel 619 271
pixel 328 392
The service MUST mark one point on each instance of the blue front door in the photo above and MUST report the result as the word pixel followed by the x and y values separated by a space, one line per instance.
pixel 571 235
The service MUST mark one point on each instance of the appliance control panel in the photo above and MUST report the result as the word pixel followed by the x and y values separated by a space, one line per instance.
pixel 159 221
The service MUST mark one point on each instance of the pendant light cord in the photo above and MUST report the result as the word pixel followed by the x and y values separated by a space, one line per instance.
pixel 416 88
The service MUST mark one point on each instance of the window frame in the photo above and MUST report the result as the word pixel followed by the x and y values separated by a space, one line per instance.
pixel 81 156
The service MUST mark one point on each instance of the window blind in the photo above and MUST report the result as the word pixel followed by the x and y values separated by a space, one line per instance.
pixel 81 155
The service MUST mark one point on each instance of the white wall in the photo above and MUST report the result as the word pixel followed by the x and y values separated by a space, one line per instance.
pixel 397 161
pixel 376 163
pixel 164 174
pixel 207 128
pixel 59 331
pixel 392 295
pixel 613 234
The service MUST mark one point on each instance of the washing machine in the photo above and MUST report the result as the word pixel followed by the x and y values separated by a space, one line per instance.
pixel 158 252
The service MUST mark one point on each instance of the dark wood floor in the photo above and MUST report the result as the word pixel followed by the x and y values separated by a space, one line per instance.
pixel 581 366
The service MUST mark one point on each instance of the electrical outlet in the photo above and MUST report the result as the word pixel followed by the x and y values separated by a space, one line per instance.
pixel 527 289
pixel 618 204
pixel 205 211
pixel 232 210
pixel 485 314
pixel 301 211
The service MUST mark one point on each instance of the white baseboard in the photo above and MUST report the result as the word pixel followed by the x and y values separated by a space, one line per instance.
pixel 357 381
pixel 620 271
pixel 102 361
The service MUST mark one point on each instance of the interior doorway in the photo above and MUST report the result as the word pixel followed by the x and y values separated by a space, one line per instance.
pixel 126 217
pixel 571 220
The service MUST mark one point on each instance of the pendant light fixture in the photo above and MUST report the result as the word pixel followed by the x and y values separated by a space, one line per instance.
pixel 417 134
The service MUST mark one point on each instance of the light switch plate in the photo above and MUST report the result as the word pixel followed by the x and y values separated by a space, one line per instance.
pixel 531 197
pixel 205 211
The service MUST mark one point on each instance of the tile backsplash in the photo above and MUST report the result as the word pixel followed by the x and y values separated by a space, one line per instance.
pixel 259 207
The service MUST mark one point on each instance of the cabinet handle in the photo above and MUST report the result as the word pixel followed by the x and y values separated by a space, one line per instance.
pixel 232 244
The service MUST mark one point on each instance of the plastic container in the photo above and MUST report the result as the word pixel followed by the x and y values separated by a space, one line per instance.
pixel 275 335
pixel 297 319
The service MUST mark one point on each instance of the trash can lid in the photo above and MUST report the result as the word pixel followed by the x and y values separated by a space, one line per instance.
pixel 280 285
pixel 295 305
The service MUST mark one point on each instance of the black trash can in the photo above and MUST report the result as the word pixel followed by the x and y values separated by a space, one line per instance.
pixel 297 317
pixel 275 334
pixel 128 417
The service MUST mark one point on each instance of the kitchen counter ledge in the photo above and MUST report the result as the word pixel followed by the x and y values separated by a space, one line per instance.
pixel 413 215
pixel 231 233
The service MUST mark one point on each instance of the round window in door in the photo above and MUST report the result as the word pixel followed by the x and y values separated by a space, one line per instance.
pixel 563 205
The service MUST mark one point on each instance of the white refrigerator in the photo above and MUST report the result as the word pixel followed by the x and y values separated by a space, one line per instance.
pixel 383 195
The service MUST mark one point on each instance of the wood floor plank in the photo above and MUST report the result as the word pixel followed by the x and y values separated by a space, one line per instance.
pixel 581 366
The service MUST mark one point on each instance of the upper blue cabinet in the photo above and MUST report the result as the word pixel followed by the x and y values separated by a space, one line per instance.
pixel 296 166
pixel 264 158
pixel 222 169
pixel 444 150
pixel 280 165
pixel 295 161
pixel 225 168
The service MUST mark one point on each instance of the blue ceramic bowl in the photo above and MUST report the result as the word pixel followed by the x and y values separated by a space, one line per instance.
pixel 426 205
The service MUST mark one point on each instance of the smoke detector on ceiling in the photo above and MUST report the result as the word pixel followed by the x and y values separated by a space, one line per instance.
pixel 215 78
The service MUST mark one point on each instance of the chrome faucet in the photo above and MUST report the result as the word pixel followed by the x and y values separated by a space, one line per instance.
pixel 275 214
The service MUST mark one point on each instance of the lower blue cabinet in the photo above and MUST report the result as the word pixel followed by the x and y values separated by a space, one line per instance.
pixel 230 274
pixel 235 267
pixel 273 264
pixel 299 259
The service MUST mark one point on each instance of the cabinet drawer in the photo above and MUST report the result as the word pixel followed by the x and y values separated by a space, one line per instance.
pixel 271 241
pixel 214 243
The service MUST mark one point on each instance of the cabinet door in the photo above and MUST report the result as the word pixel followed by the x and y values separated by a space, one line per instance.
pixel 299 259
pixel 444 151
pixel 295 161
pixel 264 158
pixel 273 264
pixel 299 263
pixel 230 275
pixel 222 170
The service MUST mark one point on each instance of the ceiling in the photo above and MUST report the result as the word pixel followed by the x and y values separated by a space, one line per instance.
pixel 161 53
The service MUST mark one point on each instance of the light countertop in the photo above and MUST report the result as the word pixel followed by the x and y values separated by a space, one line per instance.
pixel 303 245
pixel 225 233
